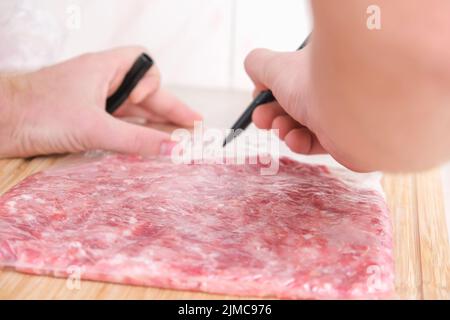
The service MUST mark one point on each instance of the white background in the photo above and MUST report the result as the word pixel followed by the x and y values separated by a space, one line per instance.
pixel 195 42
pixel 200 43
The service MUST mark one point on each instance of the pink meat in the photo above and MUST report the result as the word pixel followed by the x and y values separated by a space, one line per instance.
pixel 302 233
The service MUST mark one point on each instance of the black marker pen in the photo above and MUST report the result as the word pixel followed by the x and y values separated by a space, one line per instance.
pixel 131 80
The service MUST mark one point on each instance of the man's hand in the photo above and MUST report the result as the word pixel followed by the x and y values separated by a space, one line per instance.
pixel 373 99
pixel 62 108
pixel 287 75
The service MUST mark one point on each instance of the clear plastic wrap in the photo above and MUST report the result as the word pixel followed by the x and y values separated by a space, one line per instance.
pixel 307 232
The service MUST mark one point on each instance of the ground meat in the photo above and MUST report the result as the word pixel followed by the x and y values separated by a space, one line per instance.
pixel 303 233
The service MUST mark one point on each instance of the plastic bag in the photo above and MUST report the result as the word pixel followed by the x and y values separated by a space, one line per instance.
pixel 306 232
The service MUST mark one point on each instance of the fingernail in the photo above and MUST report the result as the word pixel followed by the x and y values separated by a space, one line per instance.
pixel 167 147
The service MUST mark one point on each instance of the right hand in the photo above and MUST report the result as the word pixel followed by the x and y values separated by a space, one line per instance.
pixel 286 75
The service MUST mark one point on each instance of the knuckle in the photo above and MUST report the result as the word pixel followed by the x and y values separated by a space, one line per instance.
pixel 135 143
pixel 134 50
pixel 157 80
pixel 249 60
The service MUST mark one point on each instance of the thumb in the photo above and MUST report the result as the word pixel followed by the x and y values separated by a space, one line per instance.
pixel 117 62
pixel 124 137
pixel 273 70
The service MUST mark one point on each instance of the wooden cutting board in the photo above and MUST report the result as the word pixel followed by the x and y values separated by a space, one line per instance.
pixel 420 239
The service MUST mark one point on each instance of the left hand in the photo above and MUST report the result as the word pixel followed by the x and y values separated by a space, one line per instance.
pixel 61 108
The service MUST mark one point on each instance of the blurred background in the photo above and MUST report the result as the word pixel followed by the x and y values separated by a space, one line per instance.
pixel 200 43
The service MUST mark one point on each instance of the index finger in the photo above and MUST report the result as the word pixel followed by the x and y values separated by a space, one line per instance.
pixel 169 107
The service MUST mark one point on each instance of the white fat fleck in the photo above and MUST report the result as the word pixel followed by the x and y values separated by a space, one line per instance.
pixel 327 286
pixel 350 273
pixel 109 237
pixel 29 217
pixel 128 181
pixel 288 282
pixel 123 168
pixel 138 195
pixel 118 259
pixel 39 200
pixel 132 220
pixel 126 233
pixel 26 197
pixel 308 236
pixel 12 206
pixel 75 244
pixel 220 205
pixel 358 292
